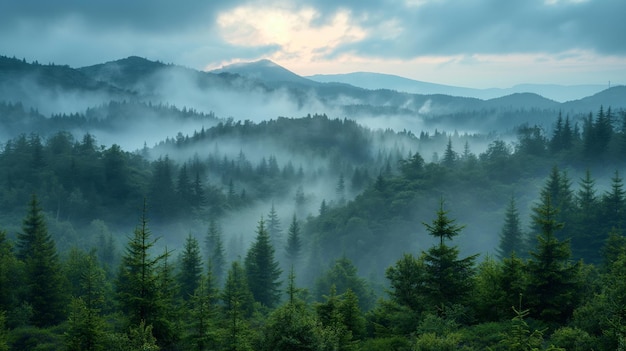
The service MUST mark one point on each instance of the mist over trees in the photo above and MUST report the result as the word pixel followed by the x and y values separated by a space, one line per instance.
pixel 311 232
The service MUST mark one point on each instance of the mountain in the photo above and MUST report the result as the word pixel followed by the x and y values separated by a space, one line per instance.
pixel 614 97
pixel 370 80
pixel 264 71
pixel 263 90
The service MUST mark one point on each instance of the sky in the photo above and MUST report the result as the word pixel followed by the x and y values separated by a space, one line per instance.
pixel 471 43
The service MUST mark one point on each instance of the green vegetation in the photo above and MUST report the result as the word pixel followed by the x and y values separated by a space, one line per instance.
pixel 379 263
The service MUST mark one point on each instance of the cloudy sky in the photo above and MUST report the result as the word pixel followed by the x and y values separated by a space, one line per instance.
pixel 474 43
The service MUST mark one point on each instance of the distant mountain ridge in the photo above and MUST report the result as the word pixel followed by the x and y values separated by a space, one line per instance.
pixel 369 80
pixel 263 90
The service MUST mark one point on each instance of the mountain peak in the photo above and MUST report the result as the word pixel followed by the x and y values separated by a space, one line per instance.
pixel 263 70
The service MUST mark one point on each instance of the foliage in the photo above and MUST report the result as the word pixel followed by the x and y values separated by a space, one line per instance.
pixel 262 270
pixel 44 281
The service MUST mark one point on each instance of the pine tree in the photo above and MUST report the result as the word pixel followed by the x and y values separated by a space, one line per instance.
pixel 198 198
pixel 341 190
pixel 215 251
pixel 558 188
pixel 556 143
pixel 553 279
pixel 238 304
pixel 262 269
pixel 85 323
pixel 294 243
pixel 587 238
pixel 166 324
pixel 273 228
pixel 406 279
pixel 191 268
pixel 9 274
pixel 614 205
pixel 45 287
pixel 202 316
pixel 449 156
pixel 85 328
pixel 184 187
pixel 511 236
pixel 447 279
pixel 137 281
pixel 351 314
pixel 343 275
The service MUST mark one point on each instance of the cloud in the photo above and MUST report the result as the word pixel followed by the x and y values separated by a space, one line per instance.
pixel 328 35
pixel 448 27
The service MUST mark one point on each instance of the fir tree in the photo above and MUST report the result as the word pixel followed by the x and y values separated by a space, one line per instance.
pixel 558 189
pixel 238 304
pixel 9 274
pixel 262 269
pixel 273 228
pixel 449 156
pixel 191 268
pixel 202 316
pixel 341 190
pixel 137 281
pixel 294 243
pixel 587 238
pixel 511 236
pixel 406 279
pixel 167 323
pixel 215 251
pixel 85 328
pixel 614 205
pixel 447 279
pixel 553 279
pixel 45 291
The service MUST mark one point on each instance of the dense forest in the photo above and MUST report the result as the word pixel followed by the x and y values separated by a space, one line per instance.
pixel 310 233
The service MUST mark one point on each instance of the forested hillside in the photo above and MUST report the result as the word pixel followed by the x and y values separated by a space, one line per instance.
pixel 135 225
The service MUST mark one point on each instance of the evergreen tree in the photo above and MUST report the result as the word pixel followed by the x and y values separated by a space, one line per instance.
pixel 352 317
pixel 202 316
pixel 294 243
pixel 511 236
pixel 341 190
pixel 9 274
pixel 449 156
pixel 198 196
pixel 556 143
pixel 191 268
pixel 406 279
pixel 161 192
pixel 184 187
pixel 141 338
pixel 273 228
pixel 553 279
pixel 558 189
pixel 262 269
pixel 43 277
pixel 343 275
pixel 603 131
pixel 137 281
pixel 447 279
pixel 329 315
pixel 291 327
pixel 166 324
pixel 238 303
pixel 215 251
pixel 587 238
pixel 85 328
pixel 614 205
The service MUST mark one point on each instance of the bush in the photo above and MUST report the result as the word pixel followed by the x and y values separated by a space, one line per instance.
pixel 394 343
pixel 572 339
